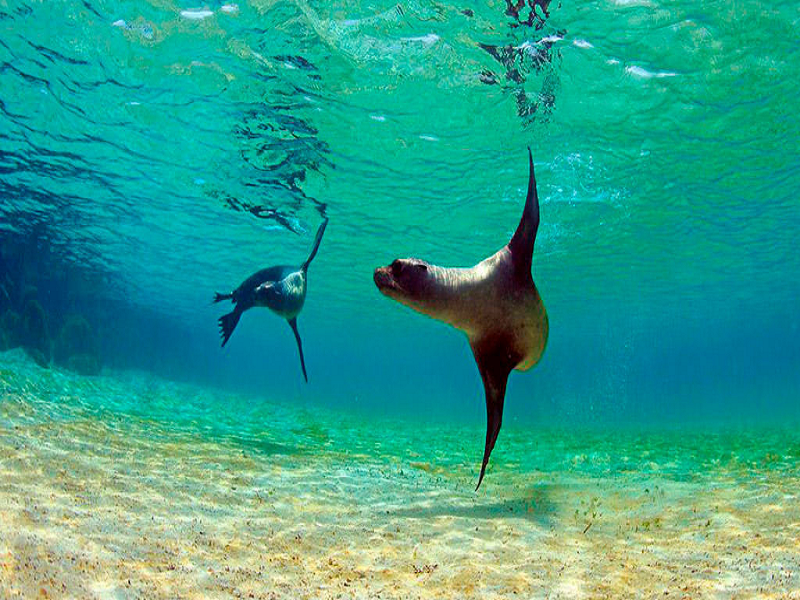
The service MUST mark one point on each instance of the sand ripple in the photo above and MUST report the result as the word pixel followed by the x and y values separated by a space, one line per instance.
pixel 128 487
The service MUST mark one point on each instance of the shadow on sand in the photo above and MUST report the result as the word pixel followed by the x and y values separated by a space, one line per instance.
pixel 533 503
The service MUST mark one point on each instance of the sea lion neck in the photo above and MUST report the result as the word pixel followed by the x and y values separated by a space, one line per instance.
pixel 459 296
pixel 439 303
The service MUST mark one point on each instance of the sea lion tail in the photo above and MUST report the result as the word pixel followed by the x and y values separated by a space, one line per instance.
pixel 220 297
pixel 317 241
pixel 227 323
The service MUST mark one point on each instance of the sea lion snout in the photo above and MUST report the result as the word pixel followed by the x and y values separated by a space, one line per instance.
pixel 383 279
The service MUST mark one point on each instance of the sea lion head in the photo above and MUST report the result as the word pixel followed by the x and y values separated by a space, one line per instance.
pixel 410 281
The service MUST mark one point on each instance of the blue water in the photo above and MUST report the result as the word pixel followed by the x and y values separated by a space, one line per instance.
pixel 153 153
pixel 166 155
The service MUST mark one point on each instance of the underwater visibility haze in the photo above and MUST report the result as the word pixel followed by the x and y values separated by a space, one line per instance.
pixel 155 152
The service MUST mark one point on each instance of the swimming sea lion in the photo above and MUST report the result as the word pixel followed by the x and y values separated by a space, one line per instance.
pixel 495 303
pixel 282 289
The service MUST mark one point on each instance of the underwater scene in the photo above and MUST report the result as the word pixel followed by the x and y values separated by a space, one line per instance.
pixel 412 299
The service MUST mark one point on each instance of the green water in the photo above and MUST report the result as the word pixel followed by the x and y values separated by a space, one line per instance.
pixel 172 154
pixel 152 153
pixel 126 486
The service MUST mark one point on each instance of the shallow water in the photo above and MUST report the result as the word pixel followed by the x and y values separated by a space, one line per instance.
pixel 126 486
pixel 153 152
pixel 168 156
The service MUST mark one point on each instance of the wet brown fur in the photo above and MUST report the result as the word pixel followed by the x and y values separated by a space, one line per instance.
pixel 495 303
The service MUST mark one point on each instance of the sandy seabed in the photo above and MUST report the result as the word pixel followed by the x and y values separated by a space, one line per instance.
pixel 124 486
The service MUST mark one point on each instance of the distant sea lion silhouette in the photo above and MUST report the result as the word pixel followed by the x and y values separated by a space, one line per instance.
pixel 495 303
pixel 282 289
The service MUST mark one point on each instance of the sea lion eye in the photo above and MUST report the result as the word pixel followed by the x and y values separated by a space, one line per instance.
pixel 421 266
pixel 397 266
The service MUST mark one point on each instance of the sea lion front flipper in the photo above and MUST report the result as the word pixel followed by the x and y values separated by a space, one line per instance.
pixel 494 364
pixel 293 325
pixel 521 244
pixel 317 240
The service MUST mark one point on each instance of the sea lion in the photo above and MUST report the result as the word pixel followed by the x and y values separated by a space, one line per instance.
pixel 495 303
pixel 282 289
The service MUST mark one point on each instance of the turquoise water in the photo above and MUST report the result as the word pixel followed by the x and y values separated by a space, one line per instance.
pixel 124 486
pixel 152 153
pixel 169 154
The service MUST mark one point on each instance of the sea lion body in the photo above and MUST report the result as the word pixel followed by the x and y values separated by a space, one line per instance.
pixel 484 301
pixel 281 288
pixel 495 303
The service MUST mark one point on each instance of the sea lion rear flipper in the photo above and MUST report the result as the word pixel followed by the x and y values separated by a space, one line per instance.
pixel 521 244
pixel 227 323
pixel 494 364
pixel 317 240
pixel 293 325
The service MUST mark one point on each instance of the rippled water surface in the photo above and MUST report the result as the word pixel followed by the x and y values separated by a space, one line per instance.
pixel 174 148
pixel 665 138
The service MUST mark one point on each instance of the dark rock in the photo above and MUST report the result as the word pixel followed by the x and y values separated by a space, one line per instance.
pixel 39 357
pixel 84 364
pixel 35 334
pixel 75 337
pixel 11 328
pixel 76 347
pixel 29 294
pixel 5 297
